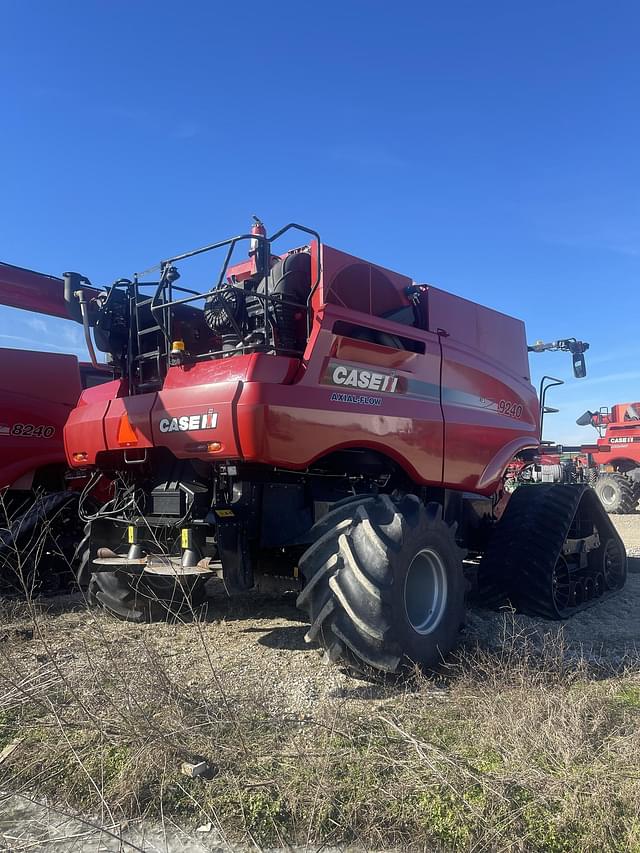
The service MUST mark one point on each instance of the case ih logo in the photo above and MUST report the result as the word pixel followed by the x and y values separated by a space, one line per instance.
pixel 347 376
pixel 188 423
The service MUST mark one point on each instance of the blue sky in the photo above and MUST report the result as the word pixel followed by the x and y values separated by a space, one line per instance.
pixel 490 148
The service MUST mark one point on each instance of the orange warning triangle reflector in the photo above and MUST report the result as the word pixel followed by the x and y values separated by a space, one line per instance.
pixel 126 433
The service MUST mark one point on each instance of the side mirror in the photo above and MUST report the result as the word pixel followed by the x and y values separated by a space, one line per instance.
pixel 579 365
pixel 585 420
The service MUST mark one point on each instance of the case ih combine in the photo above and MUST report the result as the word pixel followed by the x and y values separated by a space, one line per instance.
pixel 39 526
pixel 315 416
pixel 614 461
pixel 611 466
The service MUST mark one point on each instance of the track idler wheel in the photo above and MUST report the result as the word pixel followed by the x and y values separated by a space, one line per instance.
pixel 612 564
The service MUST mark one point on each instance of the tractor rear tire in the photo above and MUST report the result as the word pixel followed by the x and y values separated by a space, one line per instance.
pixel 591 477
pixel 146 598
pixel 634 477
pixel 384 586
pixel 616 493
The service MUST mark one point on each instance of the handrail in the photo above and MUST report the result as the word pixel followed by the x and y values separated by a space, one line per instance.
pixel 165 284
pixel 543 395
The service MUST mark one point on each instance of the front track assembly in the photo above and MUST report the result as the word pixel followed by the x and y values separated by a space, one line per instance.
pixel 553 552
pixel 35 536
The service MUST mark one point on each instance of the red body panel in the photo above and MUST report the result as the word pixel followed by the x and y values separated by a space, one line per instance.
pixel 38 390
pixel 489 409
pixel 454 412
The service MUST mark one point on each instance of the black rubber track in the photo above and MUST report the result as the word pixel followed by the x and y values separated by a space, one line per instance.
pixel 521 558
pixel 624 497
pixel 37 547
pixel 354 575
pixel 146 598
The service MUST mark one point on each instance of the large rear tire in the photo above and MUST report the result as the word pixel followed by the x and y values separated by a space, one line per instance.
pixel 146 598
pixel 616 493
pixel 384 586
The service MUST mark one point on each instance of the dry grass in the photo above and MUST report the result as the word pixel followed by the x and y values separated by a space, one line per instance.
pixel 523 745
pixel 524 749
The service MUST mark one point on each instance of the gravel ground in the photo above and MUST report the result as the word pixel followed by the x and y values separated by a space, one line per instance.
pixel 628 527
pixel 255 644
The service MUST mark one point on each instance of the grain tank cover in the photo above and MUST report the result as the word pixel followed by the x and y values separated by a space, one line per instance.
pixel 499 337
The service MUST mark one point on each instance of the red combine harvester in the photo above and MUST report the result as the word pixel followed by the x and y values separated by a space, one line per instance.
pixel 39 526
pixel 315 416
pixel 611 466
pixel 614 461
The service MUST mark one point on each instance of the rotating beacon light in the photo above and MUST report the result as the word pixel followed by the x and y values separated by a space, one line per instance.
pixel 176 353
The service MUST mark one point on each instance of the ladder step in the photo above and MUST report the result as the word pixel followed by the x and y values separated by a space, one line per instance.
pixel 149 330
pixel 148 356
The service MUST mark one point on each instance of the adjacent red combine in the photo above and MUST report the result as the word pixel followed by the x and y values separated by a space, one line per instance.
pixel 614 461
pixel 39 526
pixel 314 416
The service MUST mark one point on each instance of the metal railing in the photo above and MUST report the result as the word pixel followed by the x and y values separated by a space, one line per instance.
pixel 162 301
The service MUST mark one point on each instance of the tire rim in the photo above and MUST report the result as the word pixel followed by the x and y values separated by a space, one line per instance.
pixel 425 591
pixel 607 494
